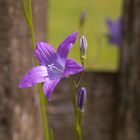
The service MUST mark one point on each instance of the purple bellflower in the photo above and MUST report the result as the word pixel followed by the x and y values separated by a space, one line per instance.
pixel 53 66
pixel 114 31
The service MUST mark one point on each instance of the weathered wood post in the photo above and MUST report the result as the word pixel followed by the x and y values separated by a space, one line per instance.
pixel 129 110
pixel 19 109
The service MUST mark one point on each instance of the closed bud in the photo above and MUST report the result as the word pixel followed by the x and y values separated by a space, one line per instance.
pixel 83 18
pixel 83 48
pixel 81 99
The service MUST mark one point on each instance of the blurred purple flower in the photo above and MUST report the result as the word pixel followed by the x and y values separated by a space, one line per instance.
pixel 114 31
pixel 53 65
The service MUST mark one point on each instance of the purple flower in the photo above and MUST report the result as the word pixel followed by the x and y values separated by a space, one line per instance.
pixel 81 98
pixel 114 31
pixel 53 65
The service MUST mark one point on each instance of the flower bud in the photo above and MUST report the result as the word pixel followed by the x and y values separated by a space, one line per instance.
pixel 83 47
pixel 81 99
pixel 83 18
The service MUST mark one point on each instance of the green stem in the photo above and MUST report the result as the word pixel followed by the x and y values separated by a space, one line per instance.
pixel 79 81
pixel 33 39
pixel 43 112
pixel 29 19
pixel 78 115
pixel 26 15
pixel 77 112
pixel 32 25
pixel 78 129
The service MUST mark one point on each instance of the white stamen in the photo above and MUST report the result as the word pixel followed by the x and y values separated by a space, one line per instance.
pixel 51 66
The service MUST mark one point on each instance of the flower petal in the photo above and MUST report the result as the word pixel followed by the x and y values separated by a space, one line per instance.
pixel 115 31
pixel 45 53
pixel 120 22
pixel 71 68
pixel 49 86
pixel 35 75
pixel 109 23
pixel 66 45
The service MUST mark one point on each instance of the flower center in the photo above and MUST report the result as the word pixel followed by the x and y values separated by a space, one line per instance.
pixel 55 71
pixel 51 66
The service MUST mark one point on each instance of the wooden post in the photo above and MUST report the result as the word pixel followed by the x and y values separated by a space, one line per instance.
pixel 129 110
pixel 19 109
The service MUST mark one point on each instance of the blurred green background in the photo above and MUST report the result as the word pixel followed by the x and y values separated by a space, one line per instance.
pixel 64 19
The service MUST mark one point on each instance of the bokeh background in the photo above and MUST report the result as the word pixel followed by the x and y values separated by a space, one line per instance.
pixel 112 76
pixel 64 17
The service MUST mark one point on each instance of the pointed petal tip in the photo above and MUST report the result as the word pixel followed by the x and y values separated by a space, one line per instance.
pixel 82 68
pixel 75 33
pixel 20 86
pixel 48 96
pixel 66 45
pixel 48 87
pixel 49 99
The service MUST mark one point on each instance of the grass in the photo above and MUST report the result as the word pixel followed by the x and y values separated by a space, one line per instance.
pixel 64 19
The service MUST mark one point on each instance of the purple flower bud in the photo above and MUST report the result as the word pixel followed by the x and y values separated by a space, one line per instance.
pixel 83 18
pixel 81 99
pixel 83 47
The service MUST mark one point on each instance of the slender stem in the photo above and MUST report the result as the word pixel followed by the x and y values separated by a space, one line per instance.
pixel 43 112
pixel 32 25
pixel 75 85
pixel 81 75
pixel 51 135
pixel 29 19
pixel 78 129
pixel 26 15
pixel 77 112
pixel 33 37
pixel 78 82
pixel 78 120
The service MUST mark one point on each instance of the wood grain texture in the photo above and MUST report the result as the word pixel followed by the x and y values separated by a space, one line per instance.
pixel 100 114
pixel 129 110
pixel 19 109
